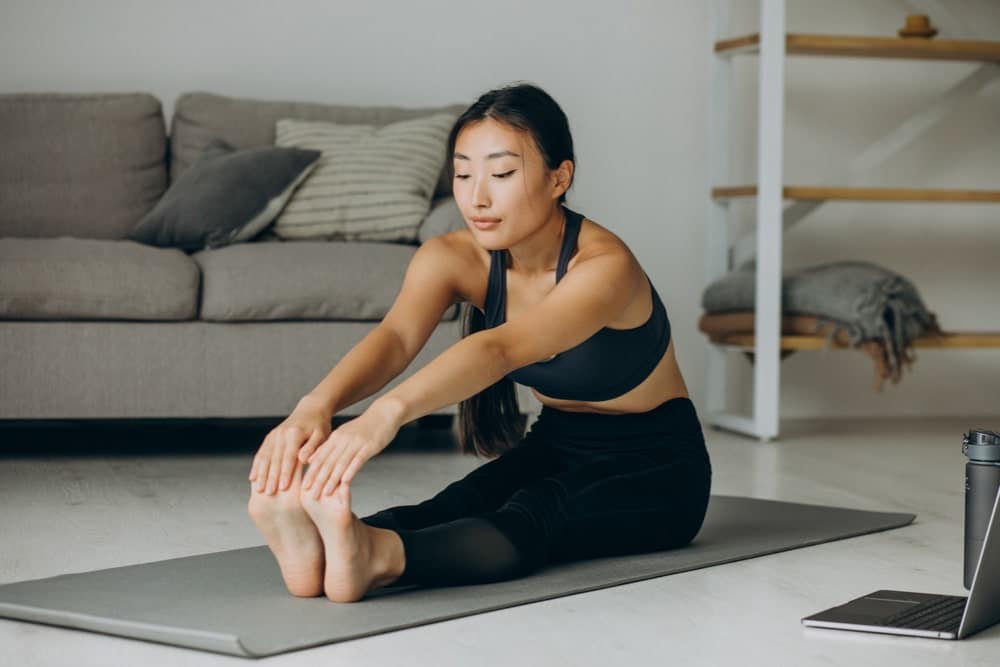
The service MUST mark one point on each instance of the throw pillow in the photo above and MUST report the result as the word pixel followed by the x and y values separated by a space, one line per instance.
pixel 226 196
pixel 371 184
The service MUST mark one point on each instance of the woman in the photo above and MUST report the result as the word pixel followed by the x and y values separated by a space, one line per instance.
pixel 616 463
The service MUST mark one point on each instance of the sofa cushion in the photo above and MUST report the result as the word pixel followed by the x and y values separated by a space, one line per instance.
pixel 89 279
pixel 86 166
pixel 303 280
pixel 244 123
pixel 444 217
pixel 371 184
pixel 227 196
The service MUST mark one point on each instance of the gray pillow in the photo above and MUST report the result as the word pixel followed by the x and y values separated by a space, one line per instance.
pixel 226 196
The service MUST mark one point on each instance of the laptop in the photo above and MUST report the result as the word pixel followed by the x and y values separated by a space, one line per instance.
pixel 927 614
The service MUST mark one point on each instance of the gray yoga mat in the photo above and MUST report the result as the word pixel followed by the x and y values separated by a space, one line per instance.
pixel 235 601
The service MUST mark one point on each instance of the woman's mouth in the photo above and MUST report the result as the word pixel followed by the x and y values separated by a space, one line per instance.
pixel 485 223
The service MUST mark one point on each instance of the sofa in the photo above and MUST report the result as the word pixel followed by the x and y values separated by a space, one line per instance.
pixel 96 326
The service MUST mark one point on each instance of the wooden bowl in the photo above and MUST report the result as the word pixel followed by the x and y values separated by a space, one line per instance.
pixel 918 25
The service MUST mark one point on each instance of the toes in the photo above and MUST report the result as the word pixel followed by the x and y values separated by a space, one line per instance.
pixel 295 479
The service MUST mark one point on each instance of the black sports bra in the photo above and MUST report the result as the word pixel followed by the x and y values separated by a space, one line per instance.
pixel 606 365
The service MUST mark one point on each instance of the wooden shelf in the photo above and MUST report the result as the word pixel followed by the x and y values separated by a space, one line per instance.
pixel 864 194
pixel 955 340
pixel 870 47
pixel 772 221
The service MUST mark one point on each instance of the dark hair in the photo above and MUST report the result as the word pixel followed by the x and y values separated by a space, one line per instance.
pixel 490 422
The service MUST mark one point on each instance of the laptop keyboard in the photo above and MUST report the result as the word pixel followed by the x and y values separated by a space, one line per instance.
pixel 944 614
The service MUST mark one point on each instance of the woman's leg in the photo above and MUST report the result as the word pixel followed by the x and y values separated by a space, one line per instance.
pixel 482 490
pixel 630 504
pixel 613 505
pixel 445 542
pixel 463 551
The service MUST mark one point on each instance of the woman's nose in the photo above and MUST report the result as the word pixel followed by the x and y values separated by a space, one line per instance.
pixel 480 194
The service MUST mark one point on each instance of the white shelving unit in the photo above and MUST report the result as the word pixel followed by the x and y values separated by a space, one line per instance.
pixel 772 45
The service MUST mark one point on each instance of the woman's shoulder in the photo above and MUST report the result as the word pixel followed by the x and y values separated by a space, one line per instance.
pixel 462 247
pixel 466 261
pixel 595 235
pixel 595 239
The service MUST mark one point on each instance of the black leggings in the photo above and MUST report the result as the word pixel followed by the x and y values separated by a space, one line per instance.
pixel 578 485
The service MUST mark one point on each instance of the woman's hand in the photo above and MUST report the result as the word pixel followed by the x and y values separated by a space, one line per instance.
pixel 309 424
pixel 338 459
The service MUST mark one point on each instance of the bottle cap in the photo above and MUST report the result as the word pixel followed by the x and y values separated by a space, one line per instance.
pixel 981 444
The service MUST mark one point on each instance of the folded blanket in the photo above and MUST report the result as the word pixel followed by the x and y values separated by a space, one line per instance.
pixel 873 308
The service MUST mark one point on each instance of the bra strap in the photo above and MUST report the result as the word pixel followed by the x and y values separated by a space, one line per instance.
pixel 573 220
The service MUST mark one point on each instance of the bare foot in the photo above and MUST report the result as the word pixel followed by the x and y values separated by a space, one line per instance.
pixel 356 553
pixel 291 535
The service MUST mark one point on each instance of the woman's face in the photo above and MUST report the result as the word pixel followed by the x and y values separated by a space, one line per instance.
pixel 500 175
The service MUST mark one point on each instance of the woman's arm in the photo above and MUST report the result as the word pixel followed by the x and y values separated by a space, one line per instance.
pixel 584 301
pixel 464 369
pixel 366 368
pixel 429 289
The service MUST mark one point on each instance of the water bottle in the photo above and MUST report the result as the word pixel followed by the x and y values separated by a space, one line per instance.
pixel 982 481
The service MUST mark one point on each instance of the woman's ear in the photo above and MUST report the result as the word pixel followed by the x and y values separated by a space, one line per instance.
pixel 562 178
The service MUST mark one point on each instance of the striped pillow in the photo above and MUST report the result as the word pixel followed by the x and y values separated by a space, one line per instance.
pixel 370 184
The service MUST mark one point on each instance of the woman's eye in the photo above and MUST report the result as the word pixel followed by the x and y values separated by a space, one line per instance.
pixel 504 175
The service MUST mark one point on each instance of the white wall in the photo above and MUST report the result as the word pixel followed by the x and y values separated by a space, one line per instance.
pixel 633 78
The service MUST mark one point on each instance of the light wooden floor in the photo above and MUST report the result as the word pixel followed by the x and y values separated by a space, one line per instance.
pixel 70 513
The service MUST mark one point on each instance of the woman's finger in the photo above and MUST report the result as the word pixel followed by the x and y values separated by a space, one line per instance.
pixel 338 471
pixel 352 469
pixel 315 463
pixel 279 453
pixel 287 466
pixel 322 476
pixel 261 453
pixel 311 444
pixel 265 463
pixel 324 473
pixel 273 458
pixel 275 465
pixel 339 477
pixel 260 470
pixel 293 439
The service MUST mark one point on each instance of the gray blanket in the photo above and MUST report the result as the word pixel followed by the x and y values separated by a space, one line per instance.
pixel 865 300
